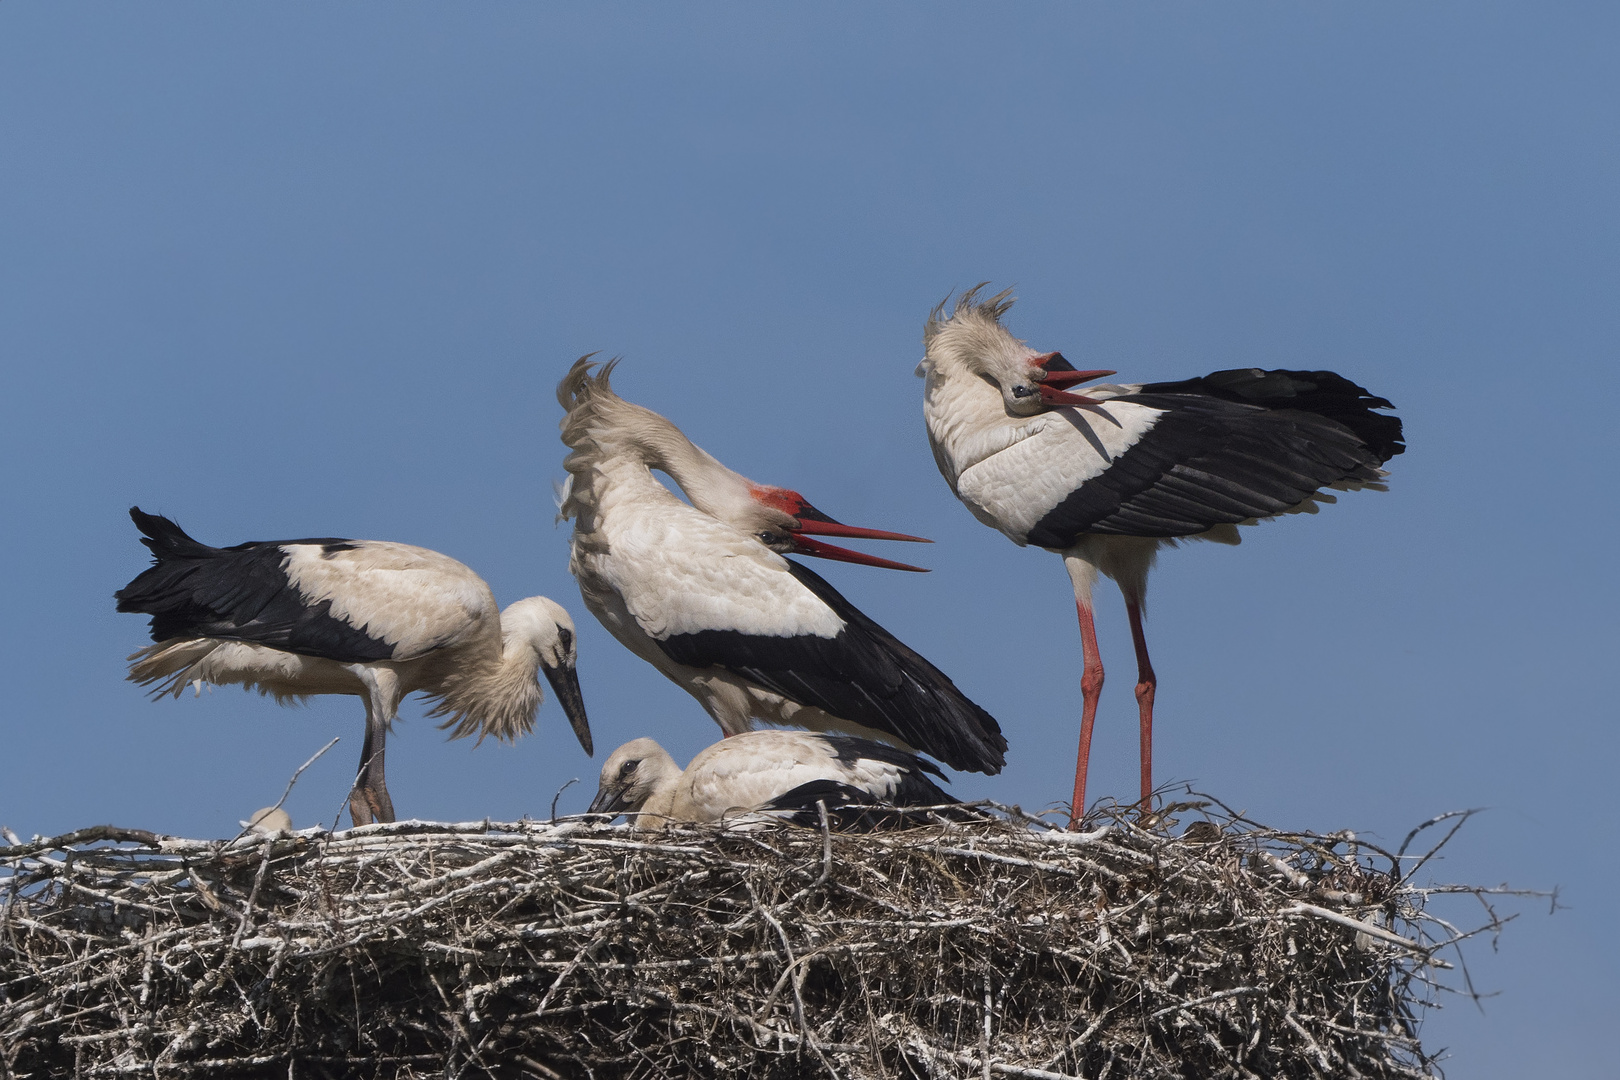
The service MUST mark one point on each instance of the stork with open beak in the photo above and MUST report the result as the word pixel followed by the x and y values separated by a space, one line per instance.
pixel 1109 476
pixel 703 593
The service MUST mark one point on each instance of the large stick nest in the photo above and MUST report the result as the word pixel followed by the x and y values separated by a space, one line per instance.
pixel 980 948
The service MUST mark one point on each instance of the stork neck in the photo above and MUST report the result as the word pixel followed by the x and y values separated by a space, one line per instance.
pixel 967 421
pixel 711 487
pixel 498 697
pixel 657 811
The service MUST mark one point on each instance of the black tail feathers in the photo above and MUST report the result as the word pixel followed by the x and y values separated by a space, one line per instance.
pixel 163 537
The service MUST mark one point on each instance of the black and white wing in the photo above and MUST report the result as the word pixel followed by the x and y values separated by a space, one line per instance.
pixel 876 785
pixel 789 772
pixel 709 596
pixel 352 601
pixel 1180 458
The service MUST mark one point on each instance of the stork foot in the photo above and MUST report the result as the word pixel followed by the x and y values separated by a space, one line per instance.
pixel 367 805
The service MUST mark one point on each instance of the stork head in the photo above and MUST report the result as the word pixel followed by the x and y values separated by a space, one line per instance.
pixel 971 341
pixel 270 821
pixel 632 775
pixel 1035 383
pixel 541 624
pixel 780 518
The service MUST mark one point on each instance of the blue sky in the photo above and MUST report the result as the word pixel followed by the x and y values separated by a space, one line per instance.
pixel 293 269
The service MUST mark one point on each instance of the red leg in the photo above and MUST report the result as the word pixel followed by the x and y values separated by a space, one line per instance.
pixel 1091 683
pixel 1146 684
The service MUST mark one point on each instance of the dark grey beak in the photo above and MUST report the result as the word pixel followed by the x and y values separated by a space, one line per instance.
pixel 608 801
pixel 565 684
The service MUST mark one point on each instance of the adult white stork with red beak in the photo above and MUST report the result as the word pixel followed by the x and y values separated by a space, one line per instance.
pixel 702 591
pixel 1108 477
pixel 370 618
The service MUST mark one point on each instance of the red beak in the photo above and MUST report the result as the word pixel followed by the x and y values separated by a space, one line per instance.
pixel 804 546
pixel 814 521
pixel 1051 387
pixel 1061 379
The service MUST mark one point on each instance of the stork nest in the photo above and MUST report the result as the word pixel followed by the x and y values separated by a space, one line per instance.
pixel 989 947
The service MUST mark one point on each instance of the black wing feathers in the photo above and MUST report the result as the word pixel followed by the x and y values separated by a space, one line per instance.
pixel 1230 447
pixel 238 593
pixel 864 675
pixel 851 807
pixel 1325 393
pixel 849 750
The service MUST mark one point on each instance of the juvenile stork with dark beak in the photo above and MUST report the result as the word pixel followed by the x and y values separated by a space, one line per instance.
pixel 365 617
pixel 781 773
pixel 1108 477
pixel 702 591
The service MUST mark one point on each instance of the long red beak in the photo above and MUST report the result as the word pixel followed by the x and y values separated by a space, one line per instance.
pixel 814 521
pixel 1051 387
pixel 805 546
pixel 1069 378
pixel 821 525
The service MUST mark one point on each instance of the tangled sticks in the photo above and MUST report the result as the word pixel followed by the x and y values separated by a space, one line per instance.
pixel 994 947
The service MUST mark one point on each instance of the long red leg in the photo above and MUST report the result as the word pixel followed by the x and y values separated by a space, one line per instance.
pixel 1091 683
pixel 1146 684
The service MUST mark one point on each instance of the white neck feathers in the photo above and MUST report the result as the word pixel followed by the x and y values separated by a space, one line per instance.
pixel 606 433
pixel 499 695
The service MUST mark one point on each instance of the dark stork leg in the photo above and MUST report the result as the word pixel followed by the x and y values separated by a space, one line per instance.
pixel 1091 684
pixel 1146 684
pixel 359 806
pixel 369 800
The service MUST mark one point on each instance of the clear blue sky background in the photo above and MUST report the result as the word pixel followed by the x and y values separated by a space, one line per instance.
pixel 291 269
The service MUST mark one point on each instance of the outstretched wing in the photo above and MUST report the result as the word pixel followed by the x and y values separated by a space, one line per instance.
pixel 1225 448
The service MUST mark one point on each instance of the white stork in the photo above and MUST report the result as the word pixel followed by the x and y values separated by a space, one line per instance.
pixel 784 773
pixel 1107 478
pixel 365 617
pixel 703 593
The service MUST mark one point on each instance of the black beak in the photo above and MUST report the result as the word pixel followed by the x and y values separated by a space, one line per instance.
pixel 608 801
pixel 565 684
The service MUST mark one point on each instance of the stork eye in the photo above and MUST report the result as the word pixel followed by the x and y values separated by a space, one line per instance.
pixel 627 768
pixel 768 538
pixel 566 635
pixel 1022 391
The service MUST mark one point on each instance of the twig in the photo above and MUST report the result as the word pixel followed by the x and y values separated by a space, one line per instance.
pixel 1461 816
pixel 293 780
pixel 557 796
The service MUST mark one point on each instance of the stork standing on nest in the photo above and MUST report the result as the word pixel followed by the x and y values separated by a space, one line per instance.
pixel 785 773
pixel 702 591
pixel 365 617
pixel 1107 478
